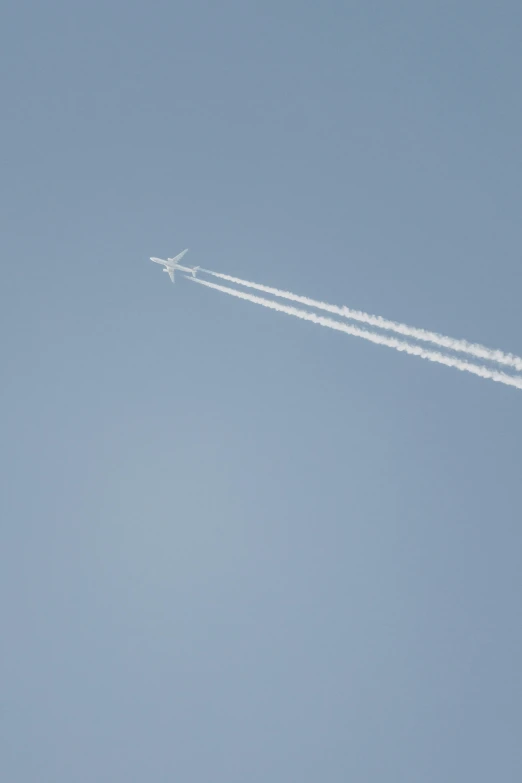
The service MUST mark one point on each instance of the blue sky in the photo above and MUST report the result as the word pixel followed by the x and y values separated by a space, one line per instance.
pixel 235 546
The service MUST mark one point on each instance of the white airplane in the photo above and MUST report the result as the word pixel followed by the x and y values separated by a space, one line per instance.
pixel 172 264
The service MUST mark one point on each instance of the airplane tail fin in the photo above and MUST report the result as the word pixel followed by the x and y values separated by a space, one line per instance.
pixel 195 270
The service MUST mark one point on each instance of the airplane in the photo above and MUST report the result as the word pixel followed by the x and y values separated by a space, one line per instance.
pixel 172 264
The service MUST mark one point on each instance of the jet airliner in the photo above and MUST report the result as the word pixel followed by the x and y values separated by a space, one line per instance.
pixel 172 264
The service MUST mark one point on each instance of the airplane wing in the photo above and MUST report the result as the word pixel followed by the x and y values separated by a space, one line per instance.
pixel 170 273
pixel 178 258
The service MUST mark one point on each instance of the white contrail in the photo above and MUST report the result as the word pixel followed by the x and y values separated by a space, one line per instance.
pixel 380 339
pixel 462 346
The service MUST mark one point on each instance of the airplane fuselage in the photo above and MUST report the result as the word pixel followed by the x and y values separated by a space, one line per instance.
pixel 171 265
pixel 178 268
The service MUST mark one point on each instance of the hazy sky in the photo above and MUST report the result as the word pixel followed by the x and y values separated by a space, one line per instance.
pixel 236 546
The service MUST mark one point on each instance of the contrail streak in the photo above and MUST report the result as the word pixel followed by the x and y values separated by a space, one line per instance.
pixel 379 339
pixel 462 346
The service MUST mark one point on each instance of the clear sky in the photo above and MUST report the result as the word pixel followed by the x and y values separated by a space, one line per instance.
pixel 235 546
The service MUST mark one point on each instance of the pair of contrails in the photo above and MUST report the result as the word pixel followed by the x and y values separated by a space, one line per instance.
pixel 470 350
